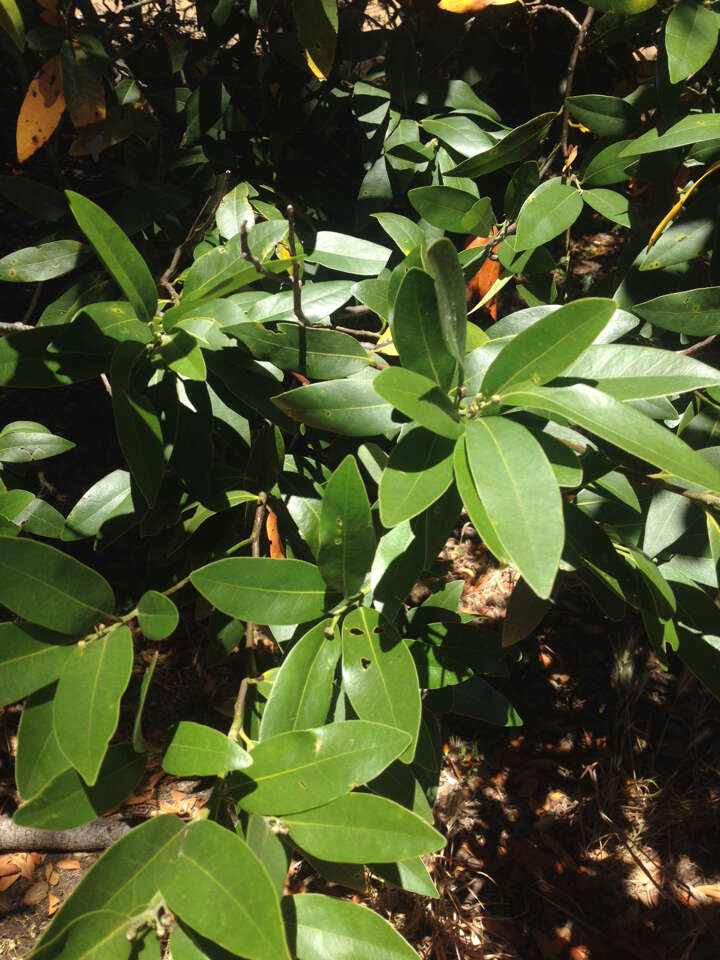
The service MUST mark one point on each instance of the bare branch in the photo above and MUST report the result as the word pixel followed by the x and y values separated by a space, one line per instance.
pixel 8 328
pixel 250 256
pixel 551 8
pixel 296 282
pixel 698 347
pixel 572 64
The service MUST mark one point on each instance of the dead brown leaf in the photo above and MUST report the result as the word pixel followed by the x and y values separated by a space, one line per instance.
pixel 36 894
pixel 68 864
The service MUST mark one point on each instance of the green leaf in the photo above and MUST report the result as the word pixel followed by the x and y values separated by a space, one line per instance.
pixel 525 610
pixel 234 210
pixel 42 520
pixel 302 691
pixel 216 884
pixel 139 743
pixel 306 768
pixel 325 928
pixel 317 26
pixel 319 300
pixel 126 878
pixel 472 502
pixel 263 590
pixel 106 500
pixel 607 167
pixel 362 828
pixel 549 210
pixel 39 758
pixel 179 351
pixel 619 424
pixel 460 134
pixel 669 516
pixel 30 658
pixel 401 230
pixel 137 423
pixel 419 398
pixel 117 253
pixel 186 944
pixel 101 935
pixel 349 407
pixel 409 875
pixel 544 350
pixel 515 146
pixel 25 442
pixel 379 676
pixel 691 34
pixel 694 312
pixel 693 129
pixel 610 204
pixel 338 251
pixel 68 802
pixel 45 586
pixel 157 615
pixel 417 332
pixel 445 268
pixel 518 490
pixel 418 473
pixel 347 538
pixel 44 262
pixel 44 358
pixel 443 207
pixel 220 271
pixel 199 751
pixel 605 116
pixel 627 372
pixel 269 849
pixel 476 698
pixel 12 23
pixel 87 702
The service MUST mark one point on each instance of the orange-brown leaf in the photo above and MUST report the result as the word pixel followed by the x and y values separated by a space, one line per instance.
pixel 277 551
pixel 483 280
pixel 41 110
pixel 471 6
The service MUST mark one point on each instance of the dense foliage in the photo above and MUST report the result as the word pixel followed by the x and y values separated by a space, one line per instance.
pixel 264 231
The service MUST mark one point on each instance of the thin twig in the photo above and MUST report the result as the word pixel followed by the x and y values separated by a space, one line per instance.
pixel 238 710
pixel 199 224
pixel 358 333
pixel 7 328
pixel 250 256
pixel 572 64
pixel 698 347
pixel 553 9
pixel 296 282
pixel 106 383
pixel 34 301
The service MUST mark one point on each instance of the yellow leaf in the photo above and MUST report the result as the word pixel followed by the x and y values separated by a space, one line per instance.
pixel 41 110
pixel 675 211
pixel 472 6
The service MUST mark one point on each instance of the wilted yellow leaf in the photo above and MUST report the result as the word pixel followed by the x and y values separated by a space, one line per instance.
pixel 41 110
pixel 472 6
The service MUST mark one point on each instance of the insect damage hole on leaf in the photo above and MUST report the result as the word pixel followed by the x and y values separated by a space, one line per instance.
pixel 365 663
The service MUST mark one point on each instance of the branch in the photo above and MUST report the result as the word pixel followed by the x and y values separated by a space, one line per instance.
pixel 97 835
pixel 551 8
pixel 572 64
pixel 296 282
pixel 7 328
pixel 250 256
pixel 698 347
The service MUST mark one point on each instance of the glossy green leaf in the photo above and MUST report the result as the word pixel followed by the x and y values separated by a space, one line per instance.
pixel 263 590
pixel 349 407
pixel 140 745
pixel 607 167
pixel 44 262
pixel 220 271
pixel 443 207
pixel 399 783
pixel 544 350
pixel 117 253
pixel 269 849
pixel 234 210
pixel 186 944
pixel 619 424
pixel 680 243
pixel 347 538
pixel 627 372
pixel 669 516
pixel 449 282
pixel 472 502
pixel 13 502
pixel 326 928
pixel 302 691
pixel 379 675
pixel 233 903
pixel 42 520
pixel 318 354
pixel 476 698
pixel 319 300
pixel 409 875
pixel 691 34
pixel 12 23
pixel 514 146
pixel 566 464
pixel 45 586
pixel 87 700
pixel 548 211
pixel 605 116
pixel 306 768
pixel 126 878
pixel 100 935
pixel 39 758
pixel 362 828
pixel 419 398
pixel 25 442
pixel 44 358
pixel 417 332
pixel 107 500
pixel 401 230
pixel 610 204
pixel 338 251
pixel 137 423
pixel 694 312
pixel 418 473
pixel 197 750
pixel 317 27
pixel 460 134
pixel 179 351
pixel 68 802
pixel 525 610
pixel 518 490
pixel 693 129
pixel 157 614
pixel 30 658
